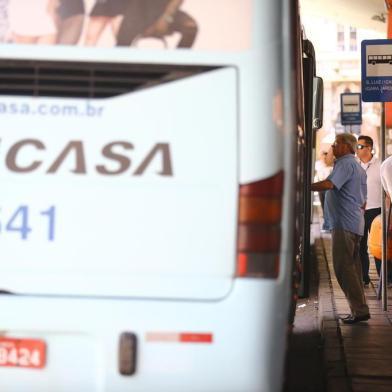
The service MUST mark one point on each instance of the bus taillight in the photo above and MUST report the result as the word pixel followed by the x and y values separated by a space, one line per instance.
pixel 259 228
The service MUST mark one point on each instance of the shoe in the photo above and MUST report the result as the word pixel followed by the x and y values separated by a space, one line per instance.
pixel 356 319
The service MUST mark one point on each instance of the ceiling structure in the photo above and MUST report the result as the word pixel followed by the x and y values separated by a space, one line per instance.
pixel 365 14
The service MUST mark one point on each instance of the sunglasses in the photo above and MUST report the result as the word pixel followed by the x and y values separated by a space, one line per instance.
pixel 361 146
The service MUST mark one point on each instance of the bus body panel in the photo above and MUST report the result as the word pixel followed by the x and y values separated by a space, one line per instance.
pixel 82 346
pixel 138 206
pixel 247 106
pixel 260 66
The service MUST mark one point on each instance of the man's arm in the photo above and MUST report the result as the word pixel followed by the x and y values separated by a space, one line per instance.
pixel 322 186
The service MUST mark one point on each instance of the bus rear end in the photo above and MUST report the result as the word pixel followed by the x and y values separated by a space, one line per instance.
pixel 145 217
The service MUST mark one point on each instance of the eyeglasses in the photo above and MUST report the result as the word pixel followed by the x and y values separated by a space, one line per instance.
pixel 361 146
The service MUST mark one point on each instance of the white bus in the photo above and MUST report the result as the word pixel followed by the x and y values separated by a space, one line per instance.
pixel 148 195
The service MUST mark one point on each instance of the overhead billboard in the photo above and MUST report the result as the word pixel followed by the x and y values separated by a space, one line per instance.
pixel 191 24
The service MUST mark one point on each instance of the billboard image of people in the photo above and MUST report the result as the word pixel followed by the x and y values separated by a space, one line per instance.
pixel 170 24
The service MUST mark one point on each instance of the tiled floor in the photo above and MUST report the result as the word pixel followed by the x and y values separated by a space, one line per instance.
pixel 357 357
pixel 304 370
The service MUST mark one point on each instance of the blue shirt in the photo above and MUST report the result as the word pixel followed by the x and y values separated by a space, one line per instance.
pixel 344 202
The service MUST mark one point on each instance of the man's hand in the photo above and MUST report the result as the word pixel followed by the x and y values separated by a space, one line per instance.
pixel 324 185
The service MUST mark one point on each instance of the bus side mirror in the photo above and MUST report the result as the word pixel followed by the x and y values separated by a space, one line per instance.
pixel 318 92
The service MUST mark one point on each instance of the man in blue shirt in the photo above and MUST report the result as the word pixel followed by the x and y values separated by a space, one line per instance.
pixel 345 201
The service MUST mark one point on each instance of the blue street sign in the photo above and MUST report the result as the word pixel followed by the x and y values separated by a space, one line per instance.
pixel 376 61
pixel 350 108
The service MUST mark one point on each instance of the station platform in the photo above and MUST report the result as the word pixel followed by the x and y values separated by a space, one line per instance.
pixel 354 357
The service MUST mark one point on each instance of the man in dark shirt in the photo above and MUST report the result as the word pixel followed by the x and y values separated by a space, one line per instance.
pixel 156 18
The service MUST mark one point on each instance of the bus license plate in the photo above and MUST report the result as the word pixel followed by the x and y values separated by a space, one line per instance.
pixel 26 353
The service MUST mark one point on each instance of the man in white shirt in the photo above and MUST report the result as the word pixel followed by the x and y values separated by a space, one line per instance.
pixel 373 204
pixel 386 180
pixel 386 176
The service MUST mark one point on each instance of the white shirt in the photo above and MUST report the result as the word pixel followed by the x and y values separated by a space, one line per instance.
pixel 322 171
pixel 386 175
pixel 373 182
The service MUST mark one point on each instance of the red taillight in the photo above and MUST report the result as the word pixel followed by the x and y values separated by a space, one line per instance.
pixel 259 228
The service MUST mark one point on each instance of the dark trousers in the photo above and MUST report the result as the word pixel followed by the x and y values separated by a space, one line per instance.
pixel 134 25
pixel 363 247
pixel 347 266
pixel 378 267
